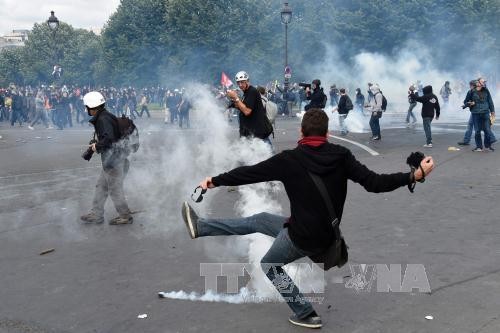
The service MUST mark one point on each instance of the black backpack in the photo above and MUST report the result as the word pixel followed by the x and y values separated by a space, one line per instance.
pixel 348 103
pixel 323 102
pixel 129 134
pixel 384 101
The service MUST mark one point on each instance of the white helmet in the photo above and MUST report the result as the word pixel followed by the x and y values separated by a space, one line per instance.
pixel 241 76
pixel 93 99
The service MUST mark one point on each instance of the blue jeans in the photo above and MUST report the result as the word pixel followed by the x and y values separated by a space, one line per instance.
pixel 468 131
pixel 482 123
pixel 374 124
pixel 427 129
pixel 410 113
pixel 282 252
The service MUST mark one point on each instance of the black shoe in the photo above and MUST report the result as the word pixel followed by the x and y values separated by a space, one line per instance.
pixel 376 138
pixel 191 219
pixel 122 219
pixel 92 218
pixel 463 143
pixel 313 321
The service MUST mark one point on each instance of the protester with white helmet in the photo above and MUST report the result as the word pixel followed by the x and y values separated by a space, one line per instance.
pixel 252 116
pixel 114 162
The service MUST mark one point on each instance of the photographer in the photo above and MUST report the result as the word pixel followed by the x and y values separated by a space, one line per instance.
pixel 252 116
pixel 114 162
pixel 317 97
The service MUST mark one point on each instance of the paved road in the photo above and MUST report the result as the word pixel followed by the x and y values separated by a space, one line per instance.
pixel 100 278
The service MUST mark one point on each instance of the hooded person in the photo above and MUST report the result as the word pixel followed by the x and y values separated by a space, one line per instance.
pixel 430 108
pixel 308 231
pixel 375 107
pixel 360 100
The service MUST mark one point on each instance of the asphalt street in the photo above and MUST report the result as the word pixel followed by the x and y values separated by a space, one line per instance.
pixel 99 278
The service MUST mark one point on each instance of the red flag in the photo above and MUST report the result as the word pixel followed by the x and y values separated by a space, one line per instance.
pixel 225 81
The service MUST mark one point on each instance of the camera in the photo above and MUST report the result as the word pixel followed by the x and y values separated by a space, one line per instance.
pixel 305 85
pixel 87 155
pixel 467 105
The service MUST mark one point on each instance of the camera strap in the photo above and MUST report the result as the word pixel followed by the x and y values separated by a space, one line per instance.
pixel 328 202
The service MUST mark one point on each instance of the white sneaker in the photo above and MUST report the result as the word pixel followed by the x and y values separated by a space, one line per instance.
pixel 31 127
pixel 428 145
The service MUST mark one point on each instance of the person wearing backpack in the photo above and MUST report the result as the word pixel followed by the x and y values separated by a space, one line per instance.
pixel 114 160
pixel 343 108
pixel 269 106
pixel 317 97
pixel 375 106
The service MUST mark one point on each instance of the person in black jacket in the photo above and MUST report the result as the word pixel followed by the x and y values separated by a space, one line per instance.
pixel 114 160
pixel 308 231
pixel 430 104
pixel 252 116
pixel 360 100
pixel 343 108
pixel 317 97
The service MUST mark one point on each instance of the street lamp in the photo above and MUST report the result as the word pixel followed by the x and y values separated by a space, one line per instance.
pixel 286 17
pixel 53 22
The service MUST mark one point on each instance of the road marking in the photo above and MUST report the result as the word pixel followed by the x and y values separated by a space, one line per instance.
pixel 368 149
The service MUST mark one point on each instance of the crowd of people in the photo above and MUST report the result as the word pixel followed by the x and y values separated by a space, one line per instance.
pixel 62 107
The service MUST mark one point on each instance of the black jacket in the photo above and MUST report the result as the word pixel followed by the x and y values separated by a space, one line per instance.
pixel 309 225
pixel 317 98
pixel 342 106
pixel 429 102
pixel 108 133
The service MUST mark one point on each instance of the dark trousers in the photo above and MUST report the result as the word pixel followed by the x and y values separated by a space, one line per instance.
pixel 16 116
pixel 144 108
pixel 374 123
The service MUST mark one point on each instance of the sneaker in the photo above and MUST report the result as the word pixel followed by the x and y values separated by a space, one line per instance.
pixel 190 219
pixel 477 149
pixel 490 149
pixel 313 321
pixel 408 125
pixel 463 143
pixel 375 138
pixel 92 218
pixel 428 145
pixel 31 127
pixel 122 219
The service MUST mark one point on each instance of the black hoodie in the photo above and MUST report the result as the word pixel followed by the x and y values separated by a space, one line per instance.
pixel 429 103
pixel 309 225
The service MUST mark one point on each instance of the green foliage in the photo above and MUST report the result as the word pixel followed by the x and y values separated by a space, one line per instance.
pixel 149 42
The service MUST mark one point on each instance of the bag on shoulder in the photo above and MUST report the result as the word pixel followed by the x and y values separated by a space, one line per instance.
pixel 348 104
pixel 129 134
pixel 336 254
pixel 324 100
pixel 384 103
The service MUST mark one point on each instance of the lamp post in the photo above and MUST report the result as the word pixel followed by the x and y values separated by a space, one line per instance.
pixel 53 24
pixel 286 17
